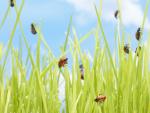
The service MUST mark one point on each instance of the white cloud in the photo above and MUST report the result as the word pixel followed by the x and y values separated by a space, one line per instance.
pixel 84 10
pixel 82 19
pixel 132 12
pixel 83 5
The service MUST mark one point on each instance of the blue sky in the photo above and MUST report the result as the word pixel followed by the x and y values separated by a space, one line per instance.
pixel 53 18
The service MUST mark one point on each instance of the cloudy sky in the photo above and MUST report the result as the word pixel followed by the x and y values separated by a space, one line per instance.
pixel 53 17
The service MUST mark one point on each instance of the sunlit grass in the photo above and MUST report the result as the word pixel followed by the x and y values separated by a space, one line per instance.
pixel 123 78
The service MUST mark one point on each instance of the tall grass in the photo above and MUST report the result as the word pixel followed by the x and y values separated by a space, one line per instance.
pixel 123 79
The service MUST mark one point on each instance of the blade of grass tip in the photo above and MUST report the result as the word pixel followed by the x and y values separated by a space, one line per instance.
pixel 25 40
pixel 70 46
pixel 5 17
pixel 76 42
pixel 67 36
pixel 106 44
pixel 75 104
pixel 12 35
pixel 86 36
pixel 45 70
pixel 101 5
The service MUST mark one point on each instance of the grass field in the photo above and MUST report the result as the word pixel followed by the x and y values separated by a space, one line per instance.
pixel 124 79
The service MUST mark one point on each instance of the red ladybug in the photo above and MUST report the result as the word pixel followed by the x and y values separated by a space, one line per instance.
pixel 100 98
pixel 62 62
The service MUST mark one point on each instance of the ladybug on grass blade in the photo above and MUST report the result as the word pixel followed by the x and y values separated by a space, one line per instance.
pixel 126 49
pixel 138 49
pixel 138 34
pixel 116 14
pixel 82 71
pixel 12 3
pixel 100 98
pixel 62 62
pixel 33 30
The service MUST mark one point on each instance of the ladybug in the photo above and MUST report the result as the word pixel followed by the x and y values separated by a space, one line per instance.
pixel 138 34
pixel 138 49
pixel 126 49
pixel 116 14
pixel 62 62
pixel 12 3
pixel 82 71
pixel 100 98
pixel 33 30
